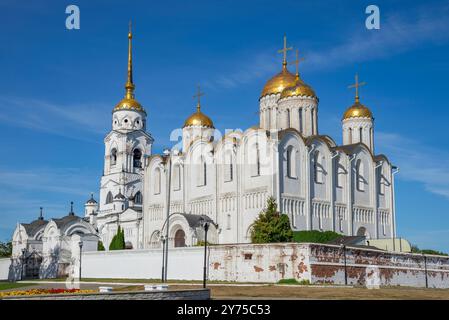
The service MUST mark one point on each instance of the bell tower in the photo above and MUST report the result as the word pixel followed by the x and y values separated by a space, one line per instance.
pixel 126 145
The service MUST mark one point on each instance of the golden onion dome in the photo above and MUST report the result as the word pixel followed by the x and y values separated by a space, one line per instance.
pixel 279 82
pixel 129 104
pixel 299 88
pixel 357 110
pixel 198 119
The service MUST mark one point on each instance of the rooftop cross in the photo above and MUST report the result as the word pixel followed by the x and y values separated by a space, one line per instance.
pixel 198 96
pixel 284 51
pixel 356 85
pixel 297 61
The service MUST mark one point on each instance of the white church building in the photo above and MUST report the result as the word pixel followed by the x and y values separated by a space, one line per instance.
pixel 320 185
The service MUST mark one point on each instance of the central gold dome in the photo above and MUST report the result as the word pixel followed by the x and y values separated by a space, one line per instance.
pixel 198 119
pixel 357 110
pixel 299 88
pixel 279 82
pixel 129 104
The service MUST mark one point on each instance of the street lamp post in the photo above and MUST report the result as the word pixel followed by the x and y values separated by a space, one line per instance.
pixel 80 244
pixel 168 154
pixel 23 263
pixel 163 257
pixel 205 225
pixel 343 247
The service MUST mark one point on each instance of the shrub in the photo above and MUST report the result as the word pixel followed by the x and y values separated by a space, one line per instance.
pixel 415 249
pixel 118 241
pixel 303 282
pixel 271 226
pixel 100 246
pixel 5 249
pixel 315 236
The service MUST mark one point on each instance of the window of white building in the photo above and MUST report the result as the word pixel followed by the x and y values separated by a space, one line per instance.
pixel 176 177
pixel 228 168
pixel 255 164
pixel 291 162
pixel 360 178
pixel 318 165
pixel 109 197
pixel 113 156
pixel 157 181
pixel 201 174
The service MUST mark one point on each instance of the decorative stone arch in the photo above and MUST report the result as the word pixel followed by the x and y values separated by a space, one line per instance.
pixel 249 230
pixel 155 241
pixel 362 231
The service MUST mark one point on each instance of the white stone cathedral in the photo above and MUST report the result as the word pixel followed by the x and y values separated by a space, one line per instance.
pixel 320 185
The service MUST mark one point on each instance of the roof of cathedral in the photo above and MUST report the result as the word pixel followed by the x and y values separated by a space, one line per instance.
pixel 279 82
pixel 34 227
pixel 62 222
pixel 357 110
pixel 91 200
pixel 129 102
pixel 194 220
pixel 119 195
pixel 298 88
pixel 198 119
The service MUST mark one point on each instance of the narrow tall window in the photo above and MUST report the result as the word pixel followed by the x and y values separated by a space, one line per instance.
pixel 138 198
pixel 201 174
pixel 291 162
pixel 177 177
pixel 137 155
pixel 109 197
pixel 339 171
pixel 381 183
pixel 350 135
pixel 228 222
pixel 228 168
pixel 255 165
pixel 288 118
pixel 157 181
pixel 300 120
pixel 113 156
pixel 360 134
pixel 318 168
pixel 360 176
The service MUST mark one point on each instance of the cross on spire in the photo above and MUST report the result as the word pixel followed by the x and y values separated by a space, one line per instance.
pixel 198 96
pixel 356 85
pixel 129 86
pixel 284 51
pixel 297 61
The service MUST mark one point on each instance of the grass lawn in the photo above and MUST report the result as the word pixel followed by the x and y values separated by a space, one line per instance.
pixel 4 285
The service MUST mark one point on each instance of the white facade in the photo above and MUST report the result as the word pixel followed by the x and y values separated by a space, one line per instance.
pixel 318 184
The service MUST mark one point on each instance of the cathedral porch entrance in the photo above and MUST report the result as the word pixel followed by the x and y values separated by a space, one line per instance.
pixel 180 238
pixel 32 264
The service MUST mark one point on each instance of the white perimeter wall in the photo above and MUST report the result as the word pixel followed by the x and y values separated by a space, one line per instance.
pixel 4 268
pixel 183 263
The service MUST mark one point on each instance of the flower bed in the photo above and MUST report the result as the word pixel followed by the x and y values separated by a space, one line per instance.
pixel 34 292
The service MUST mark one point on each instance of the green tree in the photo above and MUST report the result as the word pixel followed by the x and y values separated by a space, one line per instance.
pixel 118 241
pixel 5 249
pixel 271 226
pixel 415 249
pixel 315 236
pixel 100 246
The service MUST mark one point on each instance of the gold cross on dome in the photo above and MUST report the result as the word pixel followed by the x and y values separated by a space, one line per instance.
pixel 297 61
pixel 198 96
pixel 356 85
pixel 284 50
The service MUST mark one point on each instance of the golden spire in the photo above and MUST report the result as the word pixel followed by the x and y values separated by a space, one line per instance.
pixel 198 96
pixel 356 85
pixel 129 83
pixel 284 51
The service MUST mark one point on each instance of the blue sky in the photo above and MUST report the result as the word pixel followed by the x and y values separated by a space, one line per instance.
pixel 58 88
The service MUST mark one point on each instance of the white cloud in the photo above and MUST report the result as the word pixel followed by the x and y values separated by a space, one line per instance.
pixel 417 161
pixel 73 121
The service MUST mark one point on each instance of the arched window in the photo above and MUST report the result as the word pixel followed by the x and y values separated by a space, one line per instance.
pixel 228 168
pixel 318 168
pixel 255 165
pixel 382 182
pixel 339 173
pixel 109 197
pixel 360 134
pixel 113 156
pixel 201 174
pixel 138 198
pixel 350 135
pixel 228 222
pixel 157 181
pixel 291 162
pixel 360 179
pixel 300 120
pixel 137 156
pixel 288 118
pixel 176 177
